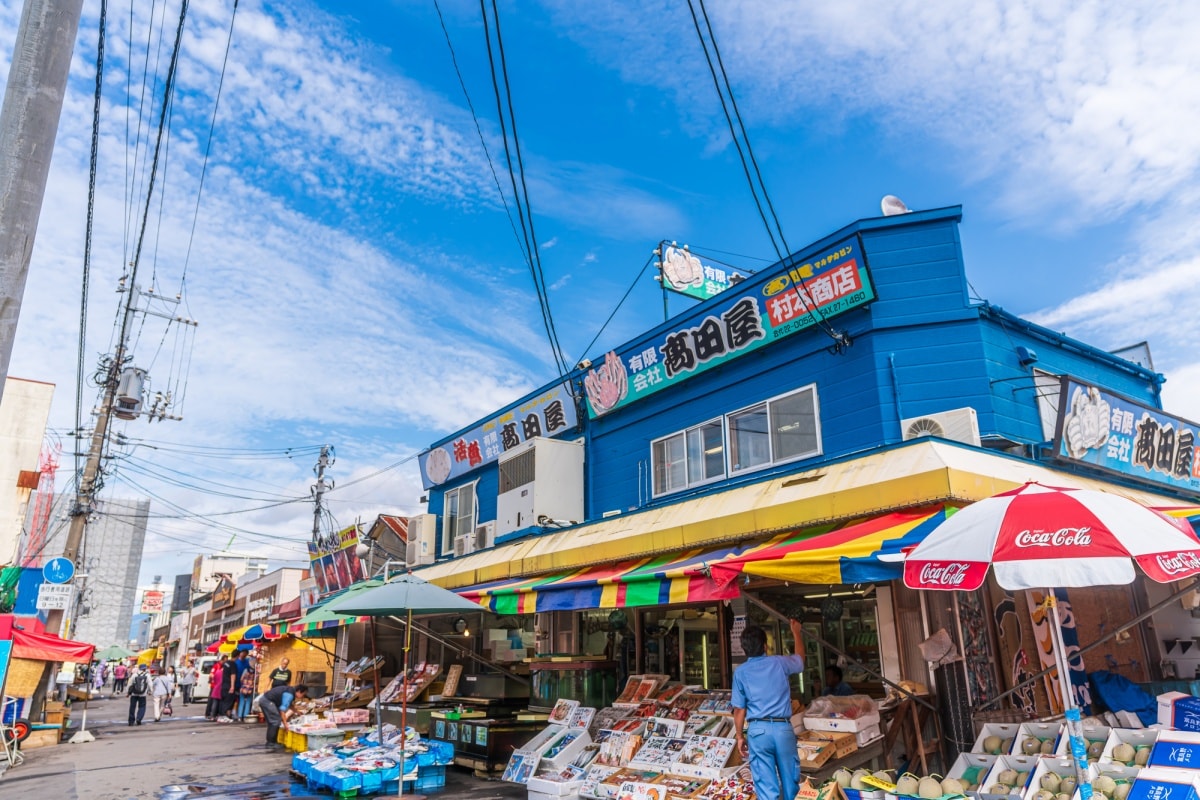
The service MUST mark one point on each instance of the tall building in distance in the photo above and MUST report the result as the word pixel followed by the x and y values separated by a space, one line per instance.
pixel 112 559
pixel 23 414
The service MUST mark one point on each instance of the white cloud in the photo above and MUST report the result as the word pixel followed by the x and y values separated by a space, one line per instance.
pixel 549 244
pixel 560 283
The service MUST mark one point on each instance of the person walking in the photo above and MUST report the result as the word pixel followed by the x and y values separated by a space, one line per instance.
pixel 276 705
pixel 246 692
pixel 120 672
pixel 97 677
pixel 186 677
pixel 213 709
pixel 281 675
pixel 762 698
pixel 161 689
pixel 139 687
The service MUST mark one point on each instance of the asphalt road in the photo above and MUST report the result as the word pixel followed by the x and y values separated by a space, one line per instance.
pixel 181 758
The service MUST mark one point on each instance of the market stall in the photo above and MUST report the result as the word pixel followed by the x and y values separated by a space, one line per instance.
pixel 30 654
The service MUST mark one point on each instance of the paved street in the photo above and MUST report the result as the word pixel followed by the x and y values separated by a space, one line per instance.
pixel 183 757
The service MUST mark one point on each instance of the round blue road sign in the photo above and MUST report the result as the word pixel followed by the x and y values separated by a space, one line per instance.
pixel 58 570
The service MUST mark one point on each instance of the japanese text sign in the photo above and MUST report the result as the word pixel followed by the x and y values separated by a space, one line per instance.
pixel 336 566
pixel 757 312
pixel 152 601
pixel 547 414
pixel 682 272
pixel 54 596
pixel 1112 432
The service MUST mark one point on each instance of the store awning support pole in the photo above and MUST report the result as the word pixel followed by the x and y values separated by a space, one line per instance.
pixel 1102 640
pixel 469 654
pixel 784 618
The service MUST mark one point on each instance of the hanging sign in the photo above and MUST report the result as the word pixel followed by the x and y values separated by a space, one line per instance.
pixel 771 306
pixel 547 414
pixel 682 272
pixel 335 564
pixel 152 601
pixel 1115 433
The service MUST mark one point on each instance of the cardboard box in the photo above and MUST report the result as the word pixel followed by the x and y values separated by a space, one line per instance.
pixel 867 735
pixel 1179 711
pixel 841 723
pixel 1157 783
pixel 1037 733
pixel 979 764
pixel 814 751
pixel 1026 764
pixel 1091 733
pixel 1005 730
pixel 1176 749
pixel 843 743
pixel 1144 737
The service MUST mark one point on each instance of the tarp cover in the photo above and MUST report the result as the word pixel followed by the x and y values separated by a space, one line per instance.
pixel 45 647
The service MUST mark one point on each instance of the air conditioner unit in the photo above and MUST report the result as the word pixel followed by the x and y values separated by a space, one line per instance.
pixel 958 425
pixel 422 540
pixel 485 535
pixel 464 545
pixel 541 482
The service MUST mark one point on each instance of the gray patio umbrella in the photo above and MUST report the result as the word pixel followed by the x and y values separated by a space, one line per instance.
pixel 403 595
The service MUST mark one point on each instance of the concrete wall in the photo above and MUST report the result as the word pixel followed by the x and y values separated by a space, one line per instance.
pixel 23 414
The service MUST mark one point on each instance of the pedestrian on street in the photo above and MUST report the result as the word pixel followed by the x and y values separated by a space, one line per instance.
pixel 139 687
pixel 186 677
pixel 246 692
pixel 229 690
pixel 276 705
pixel 97 677
pixel 281 675
pixel 213 709
pixel 120 672
pixel 762 698
pixel 161 688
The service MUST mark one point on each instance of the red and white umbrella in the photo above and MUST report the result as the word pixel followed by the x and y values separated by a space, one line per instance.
pixel 1043 536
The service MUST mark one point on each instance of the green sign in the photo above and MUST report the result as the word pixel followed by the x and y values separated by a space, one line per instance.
pixel 766 309
pixel 683 273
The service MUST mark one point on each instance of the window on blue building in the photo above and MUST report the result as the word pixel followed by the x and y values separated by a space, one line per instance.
pixel 749 439
pixel 689 458
pixel 458 518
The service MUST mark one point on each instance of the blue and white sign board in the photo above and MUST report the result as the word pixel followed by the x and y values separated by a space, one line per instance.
pixel 58 570
pixel 54 596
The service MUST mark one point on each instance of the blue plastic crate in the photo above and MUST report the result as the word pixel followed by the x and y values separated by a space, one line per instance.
pixel 431 778
pixel 440 754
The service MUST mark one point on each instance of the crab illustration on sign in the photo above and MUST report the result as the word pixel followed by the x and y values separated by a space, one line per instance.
pixel 608 384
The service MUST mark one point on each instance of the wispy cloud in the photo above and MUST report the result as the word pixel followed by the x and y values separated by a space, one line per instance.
pixel 549 244
pixel 560 283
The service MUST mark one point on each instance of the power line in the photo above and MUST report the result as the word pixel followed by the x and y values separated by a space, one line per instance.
pixel 620 303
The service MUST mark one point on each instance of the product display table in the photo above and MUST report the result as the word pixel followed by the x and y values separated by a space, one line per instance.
pixel 870 756
pixel 300 742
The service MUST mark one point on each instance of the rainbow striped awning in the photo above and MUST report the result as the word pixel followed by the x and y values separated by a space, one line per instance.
pixel 660 580
pixel 862 551
pixel 868 551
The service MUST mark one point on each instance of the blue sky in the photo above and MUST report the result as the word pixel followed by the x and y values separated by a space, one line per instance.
pixel 357 281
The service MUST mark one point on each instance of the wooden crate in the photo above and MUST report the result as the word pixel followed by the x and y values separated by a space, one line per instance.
pixel 815 750
pixel 41 737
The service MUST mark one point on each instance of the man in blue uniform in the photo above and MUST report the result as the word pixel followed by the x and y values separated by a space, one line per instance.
pixel 762 697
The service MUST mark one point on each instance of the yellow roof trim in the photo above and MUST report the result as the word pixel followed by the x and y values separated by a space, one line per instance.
pixel 919 474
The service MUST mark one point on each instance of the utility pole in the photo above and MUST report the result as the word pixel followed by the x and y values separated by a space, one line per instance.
pixel 37 82
pixel 324 460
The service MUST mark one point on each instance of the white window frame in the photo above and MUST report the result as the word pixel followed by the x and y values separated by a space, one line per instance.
pixel 448 535
pixel 687 483
pixel 772 461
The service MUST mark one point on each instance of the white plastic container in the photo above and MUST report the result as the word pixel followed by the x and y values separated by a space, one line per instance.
pixel 842 724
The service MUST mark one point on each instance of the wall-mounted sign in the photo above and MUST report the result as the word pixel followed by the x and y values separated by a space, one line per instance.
pixel 1115 433
pixel 54 596
pixel 759 311
pixel 547 414
pixel 152 601
pixel 223 595
pixel 259 605
pixel 683 272
pixel 310 593
pixel 336 566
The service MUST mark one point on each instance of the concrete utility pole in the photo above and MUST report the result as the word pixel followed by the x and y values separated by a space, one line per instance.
pixel 319 488
pixel 37 82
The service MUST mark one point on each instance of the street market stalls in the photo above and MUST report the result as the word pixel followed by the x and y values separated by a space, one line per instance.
pixel 23 668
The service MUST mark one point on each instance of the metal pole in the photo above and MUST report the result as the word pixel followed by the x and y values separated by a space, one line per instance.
pixel 33 100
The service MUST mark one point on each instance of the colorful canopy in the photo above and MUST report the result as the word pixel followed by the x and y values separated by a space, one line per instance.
pixel 47 647
pixel 675 578
pixel 148 656
pixel 861 552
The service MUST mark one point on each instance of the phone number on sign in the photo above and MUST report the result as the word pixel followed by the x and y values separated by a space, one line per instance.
pixel 807 321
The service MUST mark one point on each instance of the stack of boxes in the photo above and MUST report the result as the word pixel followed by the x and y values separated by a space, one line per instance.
pixel 502 645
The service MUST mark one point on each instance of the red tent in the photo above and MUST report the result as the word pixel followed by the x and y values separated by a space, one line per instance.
pixel 46 647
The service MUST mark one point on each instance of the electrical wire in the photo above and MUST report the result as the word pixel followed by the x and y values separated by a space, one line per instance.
pixel 749 162
pixel 620 303
pixel 87 243
pixel 479 131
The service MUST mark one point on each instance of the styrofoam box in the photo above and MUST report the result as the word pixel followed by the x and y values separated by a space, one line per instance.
pixel 841 723
pixel 539 743
pixel 572 795
pixel 1005 730
pixel 1179 711
pixel 1036 730
pixel 559 790
pixel 1025 764
pixel 1157 782
pixel 570 752
pixel 867 735
pixel 1091 733
pixel 967 760
pixel 1146 737
pixel 1176 749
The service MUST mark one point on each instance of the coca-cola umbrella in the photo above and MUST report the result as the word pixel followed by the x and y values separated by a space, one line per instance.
pixel 1039 537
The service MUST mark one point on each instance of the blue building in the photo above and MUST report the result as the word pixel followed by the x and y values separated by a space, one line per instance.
pixel 854 387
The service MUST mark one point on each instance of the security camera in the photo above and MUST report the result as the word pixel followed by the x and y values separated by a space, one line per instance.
pixel 585 364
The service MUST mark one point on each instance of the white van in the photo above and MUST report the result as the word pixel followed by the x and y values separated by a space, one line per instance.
pixel 204 667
